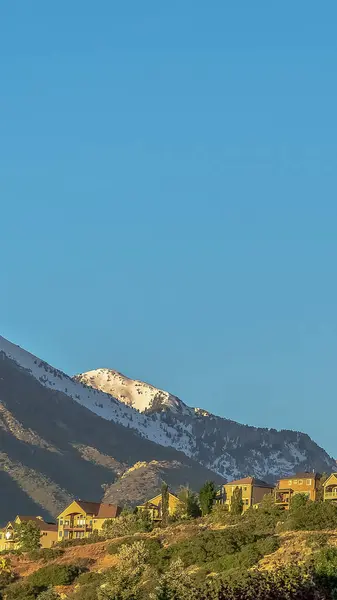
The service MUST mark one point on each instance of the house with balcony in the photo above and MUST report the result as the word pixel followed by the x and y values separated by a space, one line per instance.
pixel 9 541
pixel 330 488
pixel 253 491
pixel 301 483
pixel 153 506
pixel 81 519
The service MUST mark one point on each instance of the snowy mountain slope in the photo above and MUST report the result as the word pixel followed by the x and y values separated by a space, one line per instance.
pixel 226 447
pixel 53 449
pixel 138 394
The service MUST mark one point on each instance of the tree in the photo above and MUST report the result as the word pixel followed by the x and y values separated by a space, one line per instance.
pixel 190 506
pixel 207 496
pixel 164 504
pixel 175 584
pixel 27 535
pixel 124 580
pixel 237 502
pixel 320 488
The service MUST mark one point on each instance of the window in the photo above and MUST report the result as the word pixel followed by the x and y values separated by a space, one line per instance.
pixel 60 533
pixel 308 482
pixel 61 521
pixel 246 501
pixel 300 482
pixel 244 489
pixel 66 534
pixel 290 482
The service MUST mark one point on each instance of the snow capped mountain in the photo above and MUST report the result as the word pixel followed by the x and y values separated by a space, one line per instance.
pixel 224 446
pixel 138 394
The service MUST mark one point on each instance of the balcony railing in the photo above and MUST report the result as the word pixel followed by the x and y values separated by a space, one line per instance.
pixel 330 495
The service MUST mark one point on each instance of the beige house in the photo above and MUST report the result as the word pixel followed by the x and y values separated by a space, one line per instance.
pixel 153 506
pixel 253 491
pixel 81 519
pixel 330 488
pixel 48 531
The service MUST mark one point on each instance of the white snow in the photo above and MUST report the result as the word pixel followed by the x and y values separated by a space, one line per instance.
pixel 124 401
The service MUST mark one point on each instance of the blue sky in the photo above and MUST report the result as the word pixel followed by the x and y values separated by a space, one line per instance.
pixel 168 198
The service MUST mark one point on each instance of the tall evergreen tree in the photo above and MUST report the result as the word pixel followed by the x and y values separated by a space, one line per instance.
pixel 237 502
pixel 207 496
pixel 164 504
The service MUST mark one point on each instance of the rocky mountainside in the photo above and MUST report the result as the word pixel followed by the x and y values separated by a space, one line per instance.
pixel 227 448
pixel 52 448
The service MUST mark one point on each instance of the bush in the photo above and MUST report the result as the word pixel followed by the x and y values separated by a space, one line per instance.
pixel 152 545
pixel 45 554
pixel 127 524
pixel 317 540
pixel 90 577
pixel 92 539
pixel 307 515
pixel 54 575
pixel 22 591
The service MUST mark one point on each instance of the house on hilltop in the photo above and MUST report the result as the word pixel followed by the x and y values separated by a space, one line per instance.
pixel 330 488
pixel 301 483
pixel 154 506
pixel 8 539
pixel 81 519
pixel 253 491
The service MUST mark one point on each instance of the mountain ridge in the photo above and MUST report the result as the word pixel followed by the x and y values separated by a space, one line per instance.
pixel 225 447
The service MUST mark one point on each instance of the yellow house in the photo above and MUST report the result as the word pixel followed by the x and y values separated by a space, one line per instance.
pixel 81 519
pixel 330 488
pixel 153 506
pixel 253 491
pixel 48 532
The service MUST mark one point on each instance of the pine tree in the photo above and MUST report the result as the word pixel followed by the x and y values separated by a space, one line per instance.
pixel 164 504
pixel 237 502
pixel 207 496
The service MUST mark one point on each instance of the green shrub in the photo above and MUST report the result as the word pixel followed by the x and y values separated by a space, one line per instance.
pixel 54 575
pixel 127 524
pixel 317 540
pixel 22 591
pixel 92 539
pixel 90 577
pixel 307 515
pixel 45 554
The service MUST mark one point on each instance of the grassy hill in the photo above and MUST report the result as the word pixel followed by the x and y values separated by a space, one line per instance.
pixel 262 555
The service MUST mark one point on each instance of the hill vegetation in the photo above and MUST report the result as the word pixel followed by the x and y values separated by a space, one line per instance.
pixel 264 554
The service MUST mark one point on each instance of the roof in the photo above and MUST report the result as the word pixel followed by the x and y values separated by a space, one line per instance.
pixel 251 481
pixel 100 510
pixel 39 522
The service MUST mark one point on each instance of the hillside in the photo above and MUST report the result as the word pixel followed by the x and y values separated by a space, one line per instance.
pixel 223 446
pixel 53 449
pixel 259 555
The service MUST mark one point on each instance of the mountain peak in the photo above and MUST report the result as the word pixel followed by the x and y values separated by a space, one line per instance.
pixel 142 396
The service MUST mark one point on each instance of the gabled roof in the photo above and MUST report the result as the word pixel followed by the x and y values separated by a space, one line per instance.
pixel 38 521
pixel 100 510
pixel 332 475
pixel 251 481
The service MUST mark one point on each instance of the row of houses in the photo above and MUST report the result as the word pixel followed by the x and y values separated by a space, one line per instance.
pixel 81 519
pixel 253 489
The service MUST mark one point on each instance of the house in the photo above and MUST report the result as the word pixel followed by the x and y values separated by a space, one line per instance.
pixel 8 540
pixel 81 519
pixel 301 483
pixel 330 488
pixel 153 506
pixel 253 491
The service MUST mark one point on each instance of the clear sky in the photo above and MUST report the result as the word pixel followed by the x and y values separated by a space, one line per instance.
pixel 168 198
